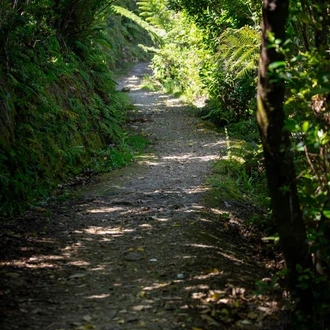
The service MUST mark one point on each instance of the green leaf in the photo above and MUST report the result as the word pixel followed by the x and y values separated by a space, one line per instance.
pixel 304 18
pixel 276 65
pixel 274 238
pixel 305 126
pixel 326 213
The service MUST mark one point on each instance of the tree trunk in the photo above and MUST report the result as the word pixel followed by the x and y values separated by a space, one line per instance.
pixel 279 163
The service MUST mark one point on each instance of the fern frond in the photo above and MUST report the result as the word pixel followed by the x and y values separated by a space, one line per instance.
pixel 239 50
pixel 249 56
pixel 250 67
pixel 155 34
pixel 156 13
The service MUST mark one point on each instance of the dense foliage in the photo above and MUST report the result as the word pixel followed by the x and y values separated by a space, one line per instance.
pixel 58 105
pixel 210 44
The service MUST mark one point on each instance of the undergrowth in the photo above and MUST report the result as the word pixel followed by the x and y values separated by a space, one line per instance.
pixel 59 110
pixel 238 177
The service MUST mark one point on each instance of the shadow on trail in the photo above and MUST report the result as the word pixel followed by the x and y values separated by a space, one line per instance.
pixel 137 250
pixel 79 273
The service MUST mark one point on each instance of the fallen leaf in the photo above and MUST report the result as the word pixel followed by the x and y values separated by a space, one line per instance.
pixel 245 322
pixel 252 315
pixel 215 296
pixel 209 319
pixel 212 271
pixel 141 294
pixel 236 304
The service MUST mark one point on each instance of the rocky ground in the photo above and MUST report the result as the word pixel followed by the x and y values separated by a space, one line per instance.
pixel 139 249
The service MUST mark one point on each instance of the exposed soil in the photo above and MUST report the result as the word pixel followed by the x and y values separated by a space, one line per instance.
pixel 138 249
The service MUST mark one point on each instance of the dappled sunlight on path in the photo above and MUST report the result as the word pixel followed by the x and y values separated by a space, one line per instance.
pixel 138 249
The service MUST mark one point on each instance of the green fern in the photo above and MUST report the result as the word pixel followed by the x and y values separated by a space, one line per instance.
pixel 155 13
pixel 155 34
pixel 239 50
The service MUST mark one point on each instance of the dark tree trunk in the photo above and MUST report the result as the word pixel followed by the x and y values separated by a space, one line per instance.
pixel 279 164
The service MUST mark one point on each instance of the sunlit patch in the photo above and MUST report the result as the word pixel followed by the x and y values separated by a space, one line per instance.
pixel 105 239
pixel 99 296
pixel 214 144
pixel 197 295
pixel 151 163
pixel 148 158
pixel 197 207
pixel 74 246
pixel 197 287
pixel 160 219
pixel 207 158
pixel 146 225
pixel 232 258
pixel 188 257
pixel 216 211
pixel 202 246
pixel 177 157
pixel 97 269
pixel 79 263
pixel 140 308
pixel 192 157
pixel 42 261
pixel 156 286
pixel 205 276
pixel 228 256
pixel 171 102
pixel 197 189
pixel 204 220
pixel 47 257
pixel 107 230
pixel 105 210
pixel 236 158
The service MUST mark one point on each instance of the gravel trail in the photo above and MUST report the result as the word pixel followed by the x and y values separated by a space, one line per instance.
pixel 134 250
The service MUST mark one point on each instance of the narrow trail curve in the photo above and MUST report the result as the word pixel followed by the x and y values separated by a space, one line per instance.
pixel 132 251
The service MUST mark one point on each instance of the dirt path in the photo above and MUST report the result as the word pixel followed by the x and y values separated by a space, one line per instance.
pixel 138 250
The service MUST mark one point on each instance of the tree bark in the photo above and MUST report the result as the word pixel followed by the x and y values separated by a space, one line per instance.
pixel 279 163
